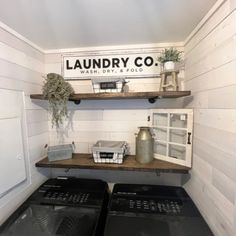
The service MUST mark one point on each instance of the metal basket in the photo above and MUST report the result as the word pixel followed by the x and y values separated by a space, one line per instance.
pixel 108 85
pixel 60 152
pixel 109 151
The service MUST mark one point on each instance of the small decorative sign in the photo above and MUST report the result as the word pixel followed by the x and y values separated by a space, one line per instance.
pixel 121 65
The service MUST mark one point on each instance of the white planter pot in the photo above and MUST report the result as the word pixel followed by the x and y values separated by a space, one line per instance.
pixel 169 65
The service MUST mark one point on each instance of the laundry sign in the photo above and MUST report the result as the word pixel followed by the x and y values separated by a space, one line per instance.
pixel 127 65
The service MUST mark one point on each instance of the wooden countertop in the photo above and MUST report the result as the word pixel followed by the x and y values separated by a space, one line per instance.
pixel 85 161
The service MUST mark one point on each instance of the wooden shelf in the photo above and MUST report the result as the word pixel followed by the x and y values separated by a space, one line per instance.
pixel 151 96
pixel 85 161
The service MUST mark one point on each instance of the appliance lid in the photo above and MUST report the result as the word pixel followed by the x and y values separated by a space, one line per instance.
pixel 156 226
pixel 70 192
pixel 42 220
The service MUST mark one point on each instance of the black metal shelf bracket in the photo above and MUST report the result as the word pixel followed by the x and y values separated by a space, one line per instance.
pixel 76 102
pixel 153 100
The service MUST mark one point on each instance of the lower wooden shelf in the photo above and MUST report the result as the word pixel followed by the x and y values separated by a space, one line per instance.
pixel 85 161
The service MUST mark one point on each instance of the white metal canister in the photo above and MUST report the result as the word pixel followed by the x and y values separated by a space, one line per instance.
pixel 144 145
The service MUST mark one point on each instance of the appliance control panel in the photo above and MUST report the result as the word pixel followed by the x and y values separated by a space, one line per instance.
pixel 152 199
pixel 158 206
pixel 71 192
pixel 67 197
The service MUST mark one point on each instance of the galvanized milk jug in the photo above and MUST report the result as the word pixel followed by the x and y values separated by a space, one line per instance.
pixel 144 145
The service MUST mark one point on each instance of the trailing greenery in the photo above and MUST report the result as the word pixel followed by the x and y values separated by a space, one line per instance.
pixel 170 54
pixel 57 91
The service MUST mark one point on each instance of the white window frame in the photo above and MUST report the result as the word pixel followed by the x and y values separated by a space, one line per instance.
pixel 189 129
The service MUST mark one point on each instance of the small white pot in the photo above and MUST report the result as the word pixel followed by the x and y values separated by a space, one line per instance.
pixel 169 65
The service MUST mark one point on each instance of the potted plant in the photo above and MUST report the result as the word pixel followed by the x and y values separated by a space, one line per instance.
pixel 169 57
pixel 57 91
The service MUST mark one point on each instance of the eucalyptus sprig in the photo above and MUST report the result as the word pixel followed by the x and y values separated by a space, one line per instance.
pixel 57 91
pixel 170 54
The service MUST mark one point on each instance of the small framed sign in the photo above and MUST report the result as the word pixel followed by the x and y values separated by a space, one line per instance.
pixel 115 64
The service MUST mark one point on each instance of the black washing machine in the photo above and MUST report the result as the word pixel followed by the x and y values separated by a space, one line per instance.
pixel 61 207
pixel 149 210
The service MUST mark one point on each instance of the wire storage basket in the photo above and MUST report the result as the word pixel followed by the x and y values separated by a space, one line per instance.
pixel 60 152
pixel 109 151
pixel 108 85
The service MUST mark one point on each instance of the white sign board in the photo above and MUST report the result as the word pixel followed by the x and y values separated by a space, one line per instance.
pixel 111 65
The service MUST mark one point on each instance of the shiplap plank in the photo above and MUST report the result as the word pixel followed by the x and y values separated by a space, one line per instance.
pixel 216 78
pixel 222 225
pixel 212 23
pixel 79 136
pixel 85 115
pixel 12 41
pixel 17 72
pixel 37 128
pixel 105 126
pixel 224 184
pixel 35 116
pixel 124 136
pixel 38 140
pixel 216 118
pixel 219 138
pixel 209 200
pixel 219 56
pixel 37 153
pixel 221 35
pixel 219 159
pixel 224 98
pixel 36 146
pixel 203 168
pixel 219 98
pixel 196 100
pixel 53 67
pixel 225 207
pixel 53 58
pixel 12 55
pixel 35 104
pixel 19 85
pixel 125 115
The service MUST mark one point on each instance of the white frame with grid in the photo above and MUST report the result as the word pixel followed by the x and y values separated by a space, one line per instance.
pixel 189 130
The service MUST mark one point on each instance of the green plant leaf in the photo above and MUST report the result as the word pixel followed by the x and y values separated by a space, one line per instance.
pixel 57 91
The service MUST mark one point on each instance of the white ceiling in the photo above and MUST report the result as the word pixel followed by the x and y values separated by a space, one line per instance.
pixel 55 24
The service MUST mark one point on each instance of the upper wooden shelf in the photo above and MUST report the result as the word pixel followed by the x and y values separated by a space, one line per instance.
pixel 85 161
pixel 151 96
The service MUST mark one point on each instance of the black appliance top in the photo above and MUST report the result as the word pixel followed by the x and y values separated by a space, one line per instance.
pixel 153 210
pixel 61 207
pixel 70 192
pixel 152 199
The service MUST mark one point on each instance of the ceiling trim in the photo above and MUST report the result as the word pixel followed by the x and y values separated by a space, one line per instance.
pixel 21 37
pixel 116 47
pixel 215 7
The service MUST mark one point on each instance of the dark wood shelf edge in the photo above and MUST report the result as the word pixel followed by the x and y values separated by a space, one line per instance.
pixel 131 95
pixel 85 161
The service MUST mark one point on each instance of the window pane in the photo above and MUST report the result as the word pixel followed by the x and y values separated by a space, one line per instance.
pixel 177 152
pixel 160 133
pixel 160 119
pixel 160 148
pixel 178 136
pixel 178 120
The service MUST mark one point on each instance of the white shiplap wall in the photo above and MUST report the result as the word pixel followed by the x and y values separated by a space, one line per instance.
pixel 210 72
pixel 110 120
pixel 21 68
